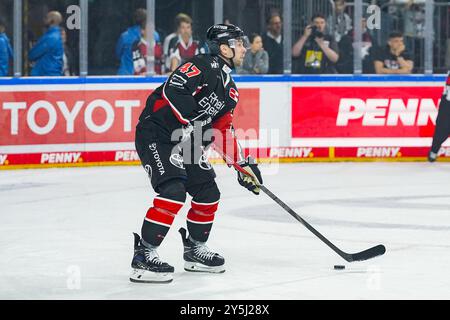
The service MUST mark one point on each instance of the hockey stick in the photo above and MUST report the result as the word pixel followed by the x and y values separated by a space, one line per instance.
pixel 349 257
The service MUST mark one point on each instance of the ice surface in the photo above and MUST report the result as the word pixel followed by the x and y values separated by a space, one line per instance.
pixel 67 234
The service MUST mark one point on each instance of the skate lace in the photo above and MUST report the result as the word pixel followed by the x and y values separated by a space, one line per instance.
pixel 204 252
pixel 152 256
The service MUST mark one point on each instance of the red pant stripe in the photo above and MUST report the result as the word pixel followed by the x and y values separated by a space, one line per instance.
pixel 158 216
pixel 167 204
pixel 163 211
pixel 200 217
pixel 206 208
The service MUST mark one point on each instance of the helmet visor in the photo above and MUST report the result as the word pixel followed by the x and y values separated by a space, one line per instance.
pixel 233 43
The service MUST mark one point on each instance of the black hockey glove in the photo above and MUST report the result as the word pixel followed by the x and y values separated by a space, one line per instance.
pixel 253 181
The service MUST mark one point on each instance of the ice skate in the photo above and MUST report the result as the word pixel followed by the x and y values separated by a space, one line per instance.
pixel 432 156
pixel 199 258
pixel 146 265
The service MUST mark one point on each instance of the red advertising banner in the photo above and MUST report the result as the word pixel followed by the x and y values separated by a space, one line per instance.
pixel 84 158
pixel 284 154
pixel 364 112
pixel 59 117
pixel 66 127
pixel 32 121
pixel 62 117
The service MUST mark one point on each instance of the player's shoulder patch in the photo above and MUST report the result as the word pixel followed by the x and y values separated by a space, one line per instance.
pixel 234 94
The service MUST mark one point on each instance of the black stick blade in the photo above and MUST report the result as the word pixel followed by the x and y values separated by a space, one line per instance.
pixel 368 254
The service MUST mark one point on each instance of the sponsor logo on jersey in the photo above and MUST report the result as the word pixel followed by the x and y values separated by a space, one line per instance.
pixel 63 157
pixel 226 78
pixel 378 152
pixel 3 159
pixel 211 104
pixel 215 65
pixel 155 153
pixel 226 69
pixel 234 94
pixel 177 160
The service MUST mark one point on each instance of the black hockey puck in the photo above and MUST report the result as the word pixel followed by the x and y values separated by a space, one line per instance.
pixel 339 267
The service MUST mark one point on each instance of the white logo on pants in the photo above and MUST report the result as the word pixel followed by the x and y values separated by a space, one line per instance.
pixel 177 160
pixel 157 158
pixel 204 163
pixel 148 168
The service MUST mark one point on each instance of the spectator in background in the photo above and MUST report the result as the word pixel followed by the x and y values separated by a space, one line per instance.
pixel 341 23
pixel 178 19
pixel 256 59
pixel 318 52
pixel 393 59
pixel 6 53
pixel 130 38
pixel 183 47
pixel 140 55
pixel 273 43
pixel 68 68
pixel 346 45
pixel 414 30
pixel 368 46
pixel 48 52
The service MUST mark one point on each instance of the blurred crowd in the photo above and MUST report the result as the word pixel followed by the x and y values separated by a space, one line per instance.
pixel 48 56
pixel 326 46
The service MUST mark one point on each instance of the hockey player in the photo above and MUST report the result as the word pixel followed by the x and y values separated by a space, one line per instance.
pixel 199 97
pixel 442 130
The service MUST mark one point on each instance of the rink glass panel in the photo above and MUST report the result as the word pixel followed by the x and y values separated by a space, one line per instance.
pixel 34 12
pixel 6 14
pixel 108 19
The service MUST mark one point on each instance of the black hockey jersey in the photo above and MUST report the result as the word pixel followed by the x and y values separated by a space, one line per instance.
pixel 201 89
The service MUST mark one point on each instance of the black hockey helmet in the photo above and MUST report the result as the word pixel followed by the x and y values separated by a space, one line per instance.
pixel 225 34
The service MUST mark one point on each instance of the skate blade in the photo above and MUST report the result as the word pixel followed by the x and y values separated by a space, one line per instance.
pixel 198 267
pixel 144 276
